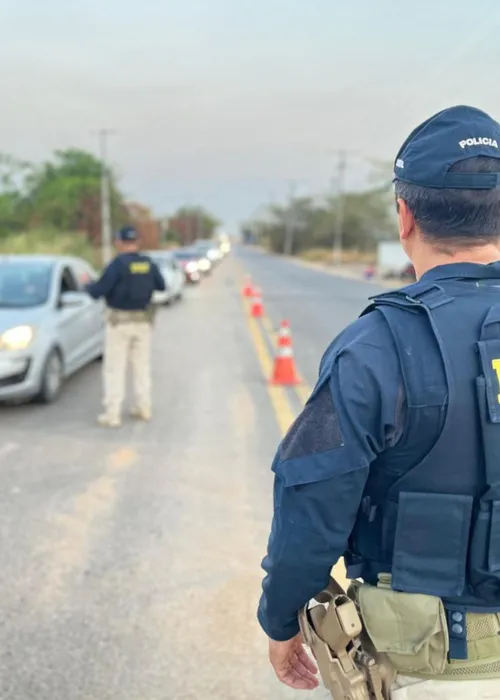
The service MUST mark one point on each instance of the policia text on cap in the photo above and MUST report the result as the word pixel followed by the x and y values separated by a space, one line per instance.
pixel 394 462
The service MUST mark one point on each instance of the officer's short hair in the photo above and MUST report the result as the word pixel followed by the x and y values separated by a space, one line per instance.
pixel 459 217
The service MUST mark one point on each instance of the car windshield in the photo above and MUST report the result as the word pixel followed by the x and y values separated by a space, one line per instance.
pixel 24 284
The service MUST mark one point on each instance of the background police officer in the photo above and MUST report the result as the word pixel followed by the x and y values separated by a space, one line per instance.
pixel 395 460
pixel 127 284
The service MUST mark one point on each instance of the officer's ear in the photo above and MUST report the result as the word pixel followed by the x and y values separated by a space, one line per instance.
pixel 406 221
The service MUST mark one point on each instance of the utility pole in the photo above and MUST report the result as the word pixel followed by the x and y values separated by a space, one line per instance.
pixel 290 222
pixel 106 235
pixel 340 208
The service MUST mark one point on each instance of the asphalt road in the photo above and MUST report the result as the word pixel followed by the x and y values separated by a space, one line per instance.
pixel 317 304
pixel 131 558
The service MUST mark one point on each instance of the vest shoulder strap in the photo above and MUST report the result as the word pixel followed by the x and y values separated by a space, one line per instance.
pixel 419 299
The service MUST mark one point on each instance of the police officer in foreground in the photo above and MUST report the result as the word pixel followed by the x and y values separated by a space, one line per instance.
pixel 127 284
pixel 394 462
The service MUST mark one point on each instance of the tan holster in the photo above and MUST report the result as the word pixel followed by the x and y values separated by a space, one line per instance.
pixel 349 665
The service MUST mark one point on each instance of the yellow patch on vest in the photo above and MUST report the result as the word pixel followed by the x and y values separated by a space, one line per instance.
pixel 496 367
pixel 139 268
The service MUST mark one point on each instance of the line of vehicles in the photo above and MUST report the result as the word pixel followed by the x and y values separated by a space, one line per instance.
pixel 186 265
pixel 50 327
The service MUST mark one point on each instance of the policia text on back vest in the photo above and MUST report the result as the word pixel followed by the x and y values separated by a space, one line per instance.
pixel 426 543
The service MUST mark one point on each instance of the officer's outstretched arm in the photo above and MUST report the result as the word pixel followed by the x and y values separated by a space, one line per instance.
pixel 103 286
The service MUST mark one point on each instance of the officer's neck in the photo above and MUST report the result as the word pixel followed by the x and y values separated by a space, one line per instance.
pixel 434 257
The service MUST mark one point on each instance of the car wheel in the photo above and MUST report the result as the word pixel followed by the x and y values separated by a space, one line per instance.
pixel 52 378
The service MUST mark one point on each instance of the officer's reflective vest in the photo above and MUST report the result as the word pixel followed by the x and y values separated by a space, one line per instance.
pixel 136 284
pixel 436 528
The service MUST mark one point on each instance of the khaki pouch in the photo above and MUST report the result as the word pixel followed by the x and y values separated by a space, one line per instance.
pixel 410 628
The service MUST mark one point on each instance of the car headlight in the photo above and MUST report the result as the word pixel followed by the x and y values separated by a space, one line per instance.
pixel 191 267
pixel 204 264
pixel 17 338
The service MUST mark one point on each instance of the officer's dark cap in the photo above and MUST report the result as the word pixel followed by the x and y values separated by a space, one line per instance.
pixel 450 136
pixel 127 234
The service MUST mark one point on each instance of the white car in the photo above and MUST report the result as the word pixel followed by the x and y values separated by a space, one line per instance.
pixel 172 274
pixel 49 326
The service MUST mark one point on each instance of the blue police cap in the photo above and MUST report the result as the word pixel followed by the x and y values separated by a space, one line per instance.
pixel 450 136
pixel 127 234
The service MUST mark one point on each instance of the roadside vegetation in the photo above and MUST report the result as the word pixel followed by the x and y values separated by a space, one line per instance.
pixel 55 207
pixel 306 226
pixel 50 241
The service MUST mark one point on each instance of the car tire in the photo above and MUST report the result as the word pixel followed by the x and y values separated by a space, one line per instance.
pixel 52 378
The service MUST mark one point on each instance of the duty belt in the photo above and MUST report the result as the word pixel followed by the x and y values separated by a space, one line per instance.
pixel 348 663
pixel 118 316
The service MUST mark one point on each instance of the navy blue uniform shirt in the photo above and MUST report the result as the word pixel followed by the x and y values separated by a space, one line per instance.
pixel 128 282
pixel 356 411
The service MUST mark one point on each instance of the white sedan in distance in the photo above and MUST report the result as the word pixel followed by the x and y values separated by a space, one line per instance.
pixel 172 274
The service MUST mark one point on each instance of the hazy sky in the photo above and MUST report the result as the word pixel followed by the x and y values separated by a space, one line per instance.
pixel 222 101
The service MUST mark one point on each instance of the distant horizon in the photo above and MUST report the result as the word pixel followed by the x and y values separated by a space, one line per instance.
pixel 222 103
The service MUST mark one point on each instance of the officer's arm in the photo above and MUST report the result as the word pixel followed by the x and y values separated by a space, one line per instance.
pixel 320 471
pixel 103 286
pixel 159 280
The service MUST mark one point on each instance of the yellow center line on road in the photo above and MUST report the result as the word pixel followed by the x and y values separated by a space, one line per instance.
pixel 303 390
pixel 279 399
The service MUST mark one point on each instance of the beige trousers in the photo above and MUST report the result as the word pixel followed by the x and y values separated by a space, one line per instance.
pixel 127 342
pixel 413 689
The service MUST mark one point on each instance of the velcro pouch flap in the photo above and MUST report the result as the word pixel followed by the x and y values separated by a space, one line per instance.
pixel 410 628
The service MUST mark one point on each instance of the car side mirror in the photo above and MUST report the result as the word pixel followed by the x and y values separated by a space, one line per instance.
pixel 72 299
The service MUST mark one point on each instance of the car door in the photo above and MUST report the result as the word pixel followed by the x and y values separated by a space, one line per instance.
pixel 95 316
pixel 72 321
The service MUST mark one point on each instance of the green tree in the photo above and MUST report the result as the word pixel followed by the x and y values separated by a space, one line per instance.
pixel 191 223
pixel 367 217
pixel 13 177
pixel 65 193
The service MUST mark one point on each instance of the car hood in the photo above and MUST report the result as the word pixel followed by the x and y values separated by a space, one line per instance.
pixel 21 317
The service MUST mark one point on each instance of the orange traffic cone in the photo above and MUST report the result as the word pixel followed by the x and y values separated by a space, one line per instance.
pixel 284 366
pixel 284 335
pixel 248 289
pixel 257 308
